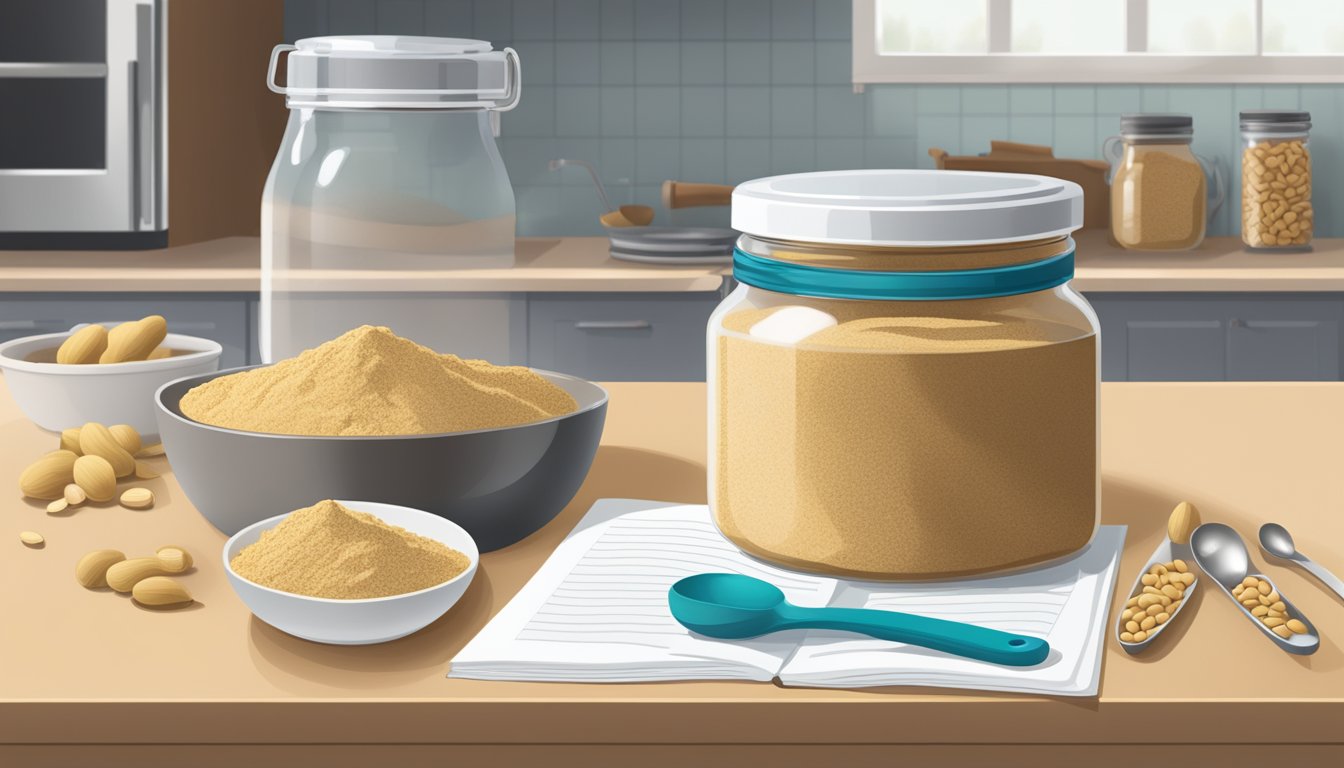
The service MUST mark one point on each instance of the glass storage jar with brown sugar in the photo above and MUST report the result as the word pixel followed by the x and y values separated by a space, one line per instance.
pixel 1159 190
pixel 903 385
pixel 1276 207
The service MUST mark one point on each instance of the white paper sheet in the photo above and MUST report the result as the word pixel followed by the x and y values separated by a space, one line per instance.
pixel 598 608
pixel 1065 603
pixel 597 611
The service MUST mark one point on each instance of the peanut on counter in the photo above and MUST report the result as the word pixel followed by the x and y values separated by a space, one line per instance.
pixel 1163 590
pixel 91 461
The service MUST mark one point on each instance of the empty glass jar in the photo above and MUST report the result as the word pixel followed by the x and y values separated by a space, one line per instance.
pixel 387 180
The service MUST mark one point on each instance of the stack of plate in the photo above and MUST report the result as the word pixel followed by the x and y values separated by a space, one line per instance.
pixel 673 245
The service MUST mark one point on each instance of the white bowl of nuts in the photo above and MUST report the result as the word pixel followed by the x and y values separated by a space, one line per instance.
pixel 59 380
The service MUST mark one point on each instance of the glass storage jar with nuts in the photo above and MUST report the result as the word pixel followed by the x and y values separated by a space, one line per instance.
pixel 1276 179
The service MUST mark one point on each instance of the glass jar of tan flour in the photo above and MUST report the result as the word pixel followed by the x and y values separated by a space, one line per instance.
pixel 903 385
pixel 1159 188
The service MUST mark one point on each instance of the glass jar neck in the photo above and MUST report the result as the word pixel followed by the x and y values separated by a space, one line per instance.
pixel 1272 135
pixel 892 259
pixel 798 269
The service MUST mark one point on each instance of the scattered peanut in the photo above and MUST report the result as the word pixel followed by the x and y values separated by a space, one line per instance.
pixel 1276 193
pixel 1183 521
pixel 70 440
pixel 127 573
pixel 97 440
pixel 87 466
pixel 91 571
pixel 160 592
pixel 95 475
pixel 1264 603
pixel 126 437
pixel 173 557
pixel 74 495
pixel 148 451
pixel 47 477
pixel 137 498
pixel 142 577
pixel 31 538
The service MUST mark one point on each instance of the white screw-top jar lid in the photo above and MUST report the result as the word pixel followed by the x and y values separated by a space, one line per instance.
pixel 397 72
pixel 907 207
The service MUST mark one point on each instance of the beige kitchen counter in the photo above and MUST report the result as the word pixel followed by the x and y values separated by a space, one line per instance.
pixel 569 264
pixel 89 678
pixel 1219 264
pixel 580 264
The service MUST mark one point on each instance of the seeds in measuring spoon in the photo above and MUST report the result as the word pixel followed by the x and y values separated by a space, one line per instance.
pixel 1159 597
pixel 1265 605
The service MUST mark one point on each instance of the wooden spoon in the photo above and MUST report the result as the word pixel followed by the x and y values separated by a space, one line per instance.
pixel 628 216
pixel 682 194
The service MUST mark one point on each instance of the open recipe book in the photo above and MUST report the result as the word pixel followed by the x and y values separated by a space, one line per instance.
pixel 597 612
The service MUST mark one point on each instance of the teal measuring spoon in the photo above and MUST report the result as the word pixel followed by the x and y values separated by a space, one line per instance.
pixel 732 607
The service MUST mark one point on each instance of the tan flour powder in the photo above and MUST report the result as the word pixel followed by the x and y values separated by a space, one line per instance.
pixel 1158 200
pixel 327 550
pixel 370 381
pixel 907 446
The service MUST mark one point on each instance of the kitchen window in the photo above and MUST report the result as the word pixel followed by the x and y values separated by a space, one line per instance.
pixel 1098 41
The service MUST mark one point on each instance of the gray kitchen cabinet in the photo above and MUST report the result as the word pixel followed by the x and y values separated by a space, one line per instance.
pixel 221 317
pixel 1220 336
pixel 620 337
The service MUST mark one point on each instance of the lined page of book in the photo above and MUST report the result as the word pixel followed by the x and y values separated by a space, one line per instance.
pixel 597 610
pixel 1065 603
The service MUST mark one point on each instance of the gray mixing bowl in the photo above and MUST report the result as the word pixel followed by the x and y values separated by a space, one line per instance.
pixel 499 484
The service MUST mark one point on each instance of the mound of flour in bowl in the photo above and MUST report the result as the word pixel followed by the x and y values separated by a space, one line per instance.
pixel 327 550
pixel 370 381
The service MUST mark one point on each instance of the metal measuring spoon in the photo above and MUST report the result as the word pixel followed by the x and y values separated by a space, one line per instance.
pixel 1176 546
pixel 1277 542
pixel 734 607
pixel 1222 555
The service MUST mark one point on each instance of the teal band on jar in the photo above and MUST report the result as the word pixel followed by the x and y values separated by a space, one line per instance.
pixel 828 283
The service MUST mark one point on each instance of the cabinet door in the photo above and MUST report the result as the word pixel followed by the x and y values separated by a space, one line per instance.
pixel 1220 336
pixel 222 318
pixel 1175 350
pixel 1146 338
pixel 620 337
pixel 1279 341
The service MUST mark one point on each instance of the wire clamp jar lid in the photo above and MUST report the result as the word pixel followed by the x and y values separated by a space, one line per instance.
pixel 397 72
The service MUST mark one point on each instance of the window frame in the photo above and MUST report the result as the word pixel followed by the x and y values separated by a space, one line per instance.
pixel 998 65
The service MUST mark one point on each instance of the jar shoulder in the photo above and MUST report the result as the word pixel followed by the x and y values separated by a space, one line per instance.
pixel 1051 316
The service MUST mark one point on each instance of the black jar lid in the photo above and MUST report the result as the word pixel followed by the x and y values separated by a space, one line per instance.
pixel 1275 120
pixel 1157 124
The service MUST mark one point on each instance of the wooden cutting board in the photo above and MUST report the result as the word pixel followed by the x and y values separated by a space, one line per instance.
pixel 1013 157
